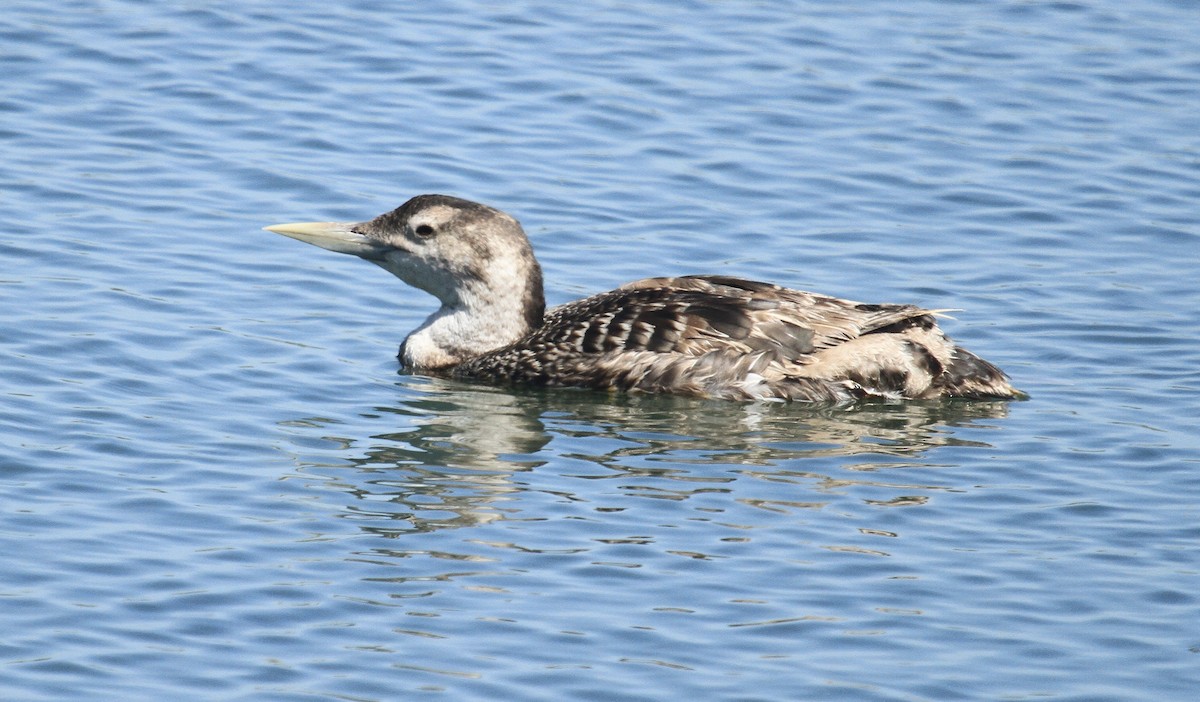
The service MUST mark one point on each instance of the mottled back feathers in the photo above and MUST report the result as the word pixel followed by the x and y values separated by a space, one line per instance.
pixel 738 339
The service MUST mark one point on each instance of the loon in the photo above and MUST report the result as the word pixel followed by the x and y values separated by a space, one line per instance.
pixel 709 336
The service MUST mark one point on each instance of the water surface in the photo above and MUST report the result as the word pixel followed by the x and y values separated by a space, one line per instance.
pixel 215 484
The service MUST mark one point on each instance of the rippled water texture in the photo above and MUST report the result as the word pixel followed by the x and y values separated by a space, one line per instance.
pixel 215 485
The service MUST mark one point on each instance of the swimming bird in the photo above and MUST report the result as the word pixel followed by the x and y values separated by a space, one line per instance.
pixel 702 335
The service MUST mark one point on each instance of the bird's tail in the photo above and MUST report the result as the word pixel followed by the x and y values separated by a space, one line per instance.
pixel 970 376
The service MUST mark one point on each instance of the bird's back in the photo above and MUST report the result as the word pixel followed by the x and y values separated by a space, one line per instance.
pixel 716 336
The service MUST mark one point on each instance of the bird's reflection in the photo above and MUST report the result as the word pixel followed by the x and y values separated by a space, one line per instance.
pixel 451 454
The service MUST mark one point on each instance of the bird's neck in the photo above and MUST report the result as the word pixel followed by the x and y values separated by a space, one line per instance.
pixel 479 319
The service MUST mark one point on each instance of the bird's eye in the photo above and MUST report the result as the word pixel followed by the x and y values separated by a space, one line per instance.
pixel 424 231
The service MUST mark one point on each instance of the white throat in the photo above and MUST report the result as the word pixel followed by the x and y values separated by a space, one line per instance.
pixel 484 316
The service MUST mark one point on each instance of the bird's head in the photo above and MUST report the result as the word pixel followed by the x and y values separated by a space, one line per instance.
pixel 460 251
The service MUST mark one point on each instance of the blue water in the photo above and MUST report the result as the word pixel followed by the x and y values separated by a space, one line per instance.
pixel 214 484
